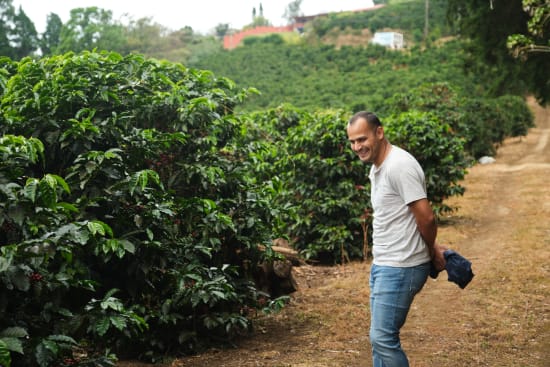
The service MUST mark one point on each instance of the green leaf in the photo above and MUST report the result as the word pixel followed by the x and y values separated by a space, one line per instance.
pixel 46 352
pixel 31 189
pixel 96 227
pixel 63 277
pixel 51 346
pixel 99 227
pixel 140 179
pixel 50 180
pixel 113 153
pixel 43 357
pixel 118 322
pixel 13 345
pixel 14 332
pixel 219 294
pixel 61 182
pixel 150 234
pixel 67 207
pixel 62 339
pixel 81 237
pixel 111 303
pixel 65 312
pixel 101 326
pixel 5 358
pixel 6 258
pixel 128 246
pixel 47 191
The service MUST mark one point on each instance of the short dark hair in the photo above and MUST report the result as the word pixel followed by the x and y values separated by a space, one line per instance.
pixel 370 117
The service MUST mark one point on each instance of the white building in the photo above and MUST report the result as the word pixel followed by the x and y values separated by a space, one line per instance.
pixel 388 39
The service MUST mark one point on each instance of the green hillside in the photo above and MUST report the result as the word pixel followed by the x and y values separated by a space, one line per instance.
pixel 335 66
pixel 325 77
pixel 314 75
pixel 406 16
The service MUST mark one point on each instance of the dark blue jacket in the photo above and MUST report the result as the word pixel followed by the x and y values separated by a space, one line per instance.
pixel 459 269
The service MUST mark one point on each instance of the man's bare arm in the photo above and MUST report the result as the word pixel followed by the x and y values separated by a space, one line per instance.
pixel 427 226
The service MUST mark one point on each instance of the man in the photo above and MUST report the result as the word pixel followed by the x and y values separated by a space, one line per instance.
pixel 404 232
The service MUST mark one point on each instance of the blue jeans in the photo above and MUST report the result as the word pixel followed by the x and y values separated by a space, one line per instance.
pixel 392 291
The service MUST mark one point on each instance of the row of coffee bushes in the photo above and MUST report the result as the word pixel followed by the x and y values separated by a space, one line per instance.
pixel 135 205
pixel 129 215
pixel 326 186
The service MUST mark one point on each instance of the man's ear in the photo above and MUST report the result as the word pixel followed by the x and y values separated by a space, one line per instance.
pixel 380 132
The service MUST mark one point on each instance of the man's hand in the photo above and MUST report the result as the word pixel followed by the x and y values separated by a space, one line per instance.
pixel 438 259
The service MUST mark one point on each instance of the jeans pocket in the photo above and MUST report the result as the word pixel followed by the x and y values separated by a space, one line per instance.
pixel 418 276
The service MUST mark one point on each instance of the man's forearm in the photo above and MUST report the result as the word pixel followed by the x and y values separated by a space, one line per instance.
pixel 425 222
pixel 428 231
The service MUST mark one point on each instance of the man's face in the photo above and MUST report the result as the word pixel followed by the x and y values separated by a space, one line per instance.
pixel 365 140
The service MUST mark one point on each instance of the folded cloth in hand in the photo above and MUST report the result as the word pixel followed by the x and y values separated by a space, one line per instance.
pixel 459 269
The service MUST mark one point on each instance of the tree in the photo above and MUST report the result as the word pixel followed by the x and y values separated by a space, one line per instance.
pixel 179 39
pixel 489 24
pixel 18 37
pixel 7 14
pixel 292 11
pixel 25 37
pixel 145 36
pixel 258 20
pixel 90 28
pixel 221 30
pixel 522 45
pixel 51 36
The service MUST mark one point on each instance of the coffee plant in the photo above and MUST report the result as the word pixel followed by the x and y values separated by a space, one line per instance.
pixel 483 123
pixel 129 220
pixel 327 186
pixel 136 204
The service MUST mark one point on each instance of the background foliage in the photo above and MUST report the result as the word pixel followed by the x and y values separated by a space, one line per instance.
pixel 134 201
pixel 127 210
pixel 489 24
pixel 138 197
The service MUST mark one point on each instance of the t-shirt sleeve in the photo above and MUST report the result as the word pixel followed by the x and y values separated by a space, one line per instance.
pixel 408 180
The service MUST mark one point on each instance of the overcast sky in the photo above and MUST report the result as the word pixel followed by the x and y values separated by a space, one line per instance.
pixel 202 15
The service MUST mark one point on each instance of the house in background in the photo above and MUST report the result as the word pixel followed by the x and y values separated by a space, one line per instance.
pixel 388 39
pixel 232 40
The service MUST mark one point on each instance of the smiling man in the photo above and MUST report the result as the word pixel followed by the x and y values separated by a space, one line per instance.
pixel 404 232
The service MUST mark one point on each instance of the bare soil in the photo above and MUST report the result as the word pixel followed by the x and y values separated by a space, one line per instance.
pixel 502 224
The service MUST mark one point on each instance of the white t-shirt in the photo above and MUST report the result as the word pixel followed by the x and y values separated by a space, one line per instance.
pixel 397 182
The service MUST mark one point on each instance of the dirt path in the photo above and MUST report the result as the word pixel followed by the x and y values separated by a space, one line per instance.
pixel 501 319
